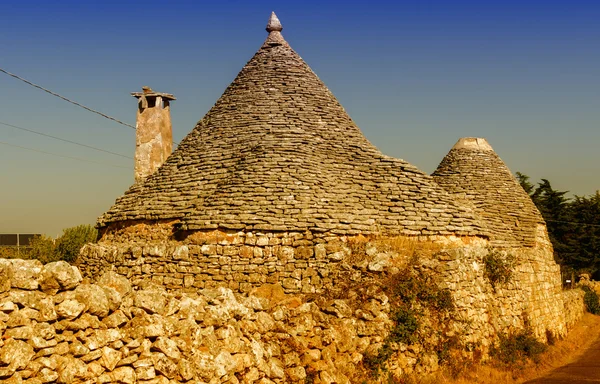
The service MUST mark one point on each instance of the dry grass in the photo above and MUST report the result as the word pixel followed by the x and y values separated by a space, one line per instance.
pixel 410 246
pixel 407 248
pixel 561 353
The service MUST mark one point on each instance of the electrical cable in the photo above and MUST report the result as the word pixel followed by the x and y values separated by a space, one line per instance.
pixel 63 156
pixel 65 99
pixel 65 140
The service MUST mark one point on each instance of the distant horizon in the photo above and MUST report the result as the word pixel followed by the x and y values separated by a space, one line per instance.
pixel 415 78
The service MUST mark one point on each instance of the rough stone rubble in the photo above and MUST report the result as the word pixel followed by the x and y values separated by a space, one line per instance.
pixel 54 327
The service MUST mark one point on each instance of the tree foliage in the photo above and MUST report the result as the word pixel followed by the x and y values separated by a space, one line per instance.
pixel 47 250
pixel 43 248
pixel 573 224
pixel 72 239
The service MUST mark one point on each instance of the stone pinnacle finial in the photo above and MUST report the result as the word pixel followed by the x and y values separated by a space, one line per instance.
pixel 274 24
pixel 476 143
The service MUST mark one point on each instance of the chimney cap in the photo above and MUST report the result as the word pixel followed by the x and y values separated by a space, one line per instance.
pixel 148 92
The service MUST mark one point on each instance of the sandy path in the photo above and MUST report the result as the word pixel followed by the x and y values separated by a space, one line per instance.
pixel 586 369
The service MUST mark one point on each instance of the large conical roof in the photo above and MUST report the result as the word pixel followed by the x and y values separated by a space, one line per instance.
pixel 474 173
pixel 278 152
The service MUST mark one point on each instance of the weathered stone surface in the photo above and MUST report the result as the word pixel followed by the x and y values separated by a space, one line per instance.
pixel 153 300
pixel 59 275
pixel 94 299
pixel 69 309
pixel 71 369
pixel 123 375
pixel 164 365
pixel 6 274
pixel 154 136
pixel 16 353
pixel 168 347
pixel 277 193
pixel 26 273
pixel 115 281
pixel 115 320
pixel 216 334
pixel 110 358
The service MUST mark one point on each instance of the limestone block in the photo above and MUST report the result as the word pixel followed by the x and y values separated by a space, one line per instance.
pixel 6 275
pixel 152 300
pixel 70 370
pixel 58 276
pixel 109 358
pixel 168 347
pixel 69 309
pixel 94 299
pixel 16 353
pixel 164 365
pixel 26 273
pixel 123 375
pixel 115 281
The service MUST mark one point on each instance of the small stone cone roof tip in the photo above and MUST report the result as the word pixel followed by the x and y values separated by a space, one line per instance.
pixel 277 152
pixel 475 174
pixel 474 143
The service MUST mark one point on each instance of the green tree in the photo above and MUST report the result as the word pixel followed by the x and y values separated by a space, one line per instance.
pixel 524 181
pixel 556 210
pixel 573 225
pixel 43 248
pixel 72 239
pixel 585 237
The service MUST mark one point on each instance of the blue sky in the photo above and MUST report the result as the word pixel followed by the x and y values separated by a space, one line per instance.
pixel 414 75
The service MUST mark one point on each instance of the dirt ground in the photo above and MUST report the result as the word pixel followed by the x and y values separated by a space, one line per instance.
pixel 575 359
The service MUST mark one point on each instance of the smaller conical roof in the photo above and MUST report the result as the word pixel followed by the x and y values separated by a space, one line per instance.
pixel 475 174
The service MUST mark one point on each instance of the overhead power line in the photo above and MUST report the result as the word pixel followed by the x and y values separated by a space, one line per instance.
pixel 65 99
pixel 63 156
pixel 66 140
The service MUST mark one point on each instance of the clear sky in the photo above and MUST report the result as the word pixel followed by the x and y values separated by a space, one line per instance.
pixel 414 75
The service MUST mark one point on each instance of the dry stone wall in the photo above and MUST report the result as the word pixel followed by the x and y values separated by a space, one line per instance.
pixel 303 264
pixel 57 327
pixel 300 262
pixel 574 306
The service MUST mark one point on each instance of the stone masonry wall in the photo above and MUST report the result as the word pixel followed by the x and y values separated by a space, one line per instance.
pixel 303 263
pixel 574 306
pixel 56 327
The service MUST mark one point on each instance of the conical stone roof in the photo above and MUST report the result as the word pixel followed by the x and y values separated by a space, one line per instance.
pixel 474 173
pixel 278 152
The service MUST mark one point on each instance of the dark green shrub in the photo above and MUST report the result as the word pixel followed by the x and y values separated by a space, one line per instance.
pixel 405 327
pixel 590 298
pixel 412 296
pixel 72 239
pixel 43 248
pixel 515 348
pixel 443 301
pixel 10 253
pixel 499 267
